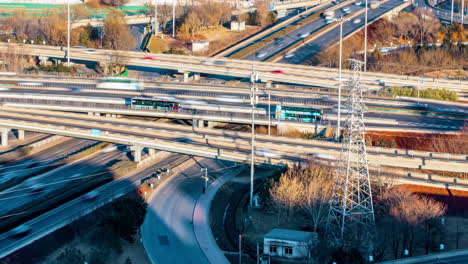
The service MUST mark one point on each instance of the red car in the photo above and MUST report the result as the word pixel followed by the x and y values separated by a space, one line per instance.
pixel 278 71
pixel 90 196
pixel 149 58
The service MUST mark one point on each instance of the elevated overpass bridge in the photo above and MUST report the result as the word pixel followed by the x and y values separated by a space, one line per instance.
pixel 226 145
pixel 292 74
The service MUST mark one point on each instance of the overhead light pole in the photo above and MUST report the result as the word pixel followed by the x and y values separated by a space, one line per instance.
pixel 173 18
pixel 253 102
pixel 338 120
pixel 462 11
pixel 451 12
pixel 156 24
pixel 68 33
pixel 365 39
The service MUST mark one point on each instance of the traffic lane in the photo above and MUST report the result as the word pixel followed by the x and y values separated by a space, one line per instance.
pixel 333 35
pixel 463 259
pixel 295 36
pixel 22 193
pixel 168 225
pixel 47 156
pixel 76 208
pixel 224 98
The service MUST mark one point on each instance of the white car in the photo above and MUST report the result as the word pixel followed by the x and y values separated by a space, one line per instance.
pixel 357 21
pixel 267 154
pixel 289 55
pixel 20 231
pixel 304 35
pixel 261 54
pixel 329 21
pixel 207 62
pixel 90 51
pixel 358 3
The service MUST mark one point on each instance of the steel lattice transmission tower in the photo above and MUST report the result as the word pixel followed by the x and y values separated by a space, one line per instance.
pixel 351 213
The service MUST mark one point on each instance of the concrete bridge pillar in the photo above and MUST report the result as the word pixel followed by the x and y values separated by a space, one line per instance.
pixel 137 150
pixel 97 114
pixel 212 124
pixel 194 123
pixel 201 123
pixel 186 76
pixel 151 152
pixel 5 132
pixel 196 76
pixel 43 60
pixel 20 134
pixel 90 113
pixel 268 84
pixel 281 13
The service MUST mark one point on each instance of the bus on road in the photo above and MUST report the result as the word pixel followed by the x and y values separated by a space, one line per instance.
pixel 154 103
pixel 298 113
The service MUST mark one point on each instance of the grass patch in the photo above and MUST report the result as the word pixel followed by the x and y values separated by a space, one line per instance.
pixel 439 94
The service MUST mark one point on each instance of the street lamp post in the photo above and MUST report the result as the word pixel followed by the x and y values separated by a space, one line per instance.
pixel 338 121
pixel 205 177
pixel 68 33
pixel 156 24
pixel 462 11
pixel 365 39
pixel 173 18
pixel 269 114
pixel 451 12
pixel 253 102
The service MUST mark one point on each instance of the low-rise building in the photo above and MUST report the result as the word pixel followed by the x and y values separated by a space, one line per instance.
pixel 288 243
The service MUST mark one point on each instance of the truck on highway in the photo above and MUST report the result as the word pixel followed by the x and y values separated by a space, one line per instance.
pixel 329 14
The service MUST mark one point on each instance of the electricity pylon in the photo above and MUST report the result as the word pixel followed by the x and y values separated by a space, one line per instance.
pixel 351 213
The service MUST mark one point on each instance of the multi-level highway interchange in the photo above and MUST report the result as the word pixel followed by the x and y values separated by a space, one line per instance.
pixel 76 108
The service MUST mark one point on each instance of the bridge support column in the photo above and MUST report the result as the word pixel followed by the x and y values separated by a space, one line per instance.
pixel 201 123
pixel 186 76
pixel 194 123
pixel 196 76
pixel 90 113
pixel 137 150
pixel 97 114
pixel 151 152
pixel 20 134
pixel 5 132
pixel 281 13
pixel 43 60
pixel 212 124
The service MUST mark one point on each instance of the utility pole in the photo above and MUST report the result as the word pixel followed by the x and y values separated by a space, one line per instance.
pixel 451 13
pixel 269 114
pixel 253 102
pixel 173 18
pixel 68 33
pixel 156 23
pixel 351 212
pixel 462 11
pixel 240 249
pixel 365 38
pixel 205 177
pixel 338 121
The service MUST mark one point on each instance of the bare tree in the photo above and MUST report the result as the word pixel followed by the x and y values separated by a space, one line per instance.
pixel 117 33
pixel 114 2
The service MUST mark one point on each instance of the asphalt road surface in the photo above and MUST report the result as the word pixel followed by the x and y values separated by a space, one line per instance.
pixel 168 228
pixel 65 214
pixel 311 48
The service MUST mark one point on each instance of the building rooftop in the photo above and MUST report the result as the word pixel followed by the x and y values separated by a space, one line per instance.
pixel 291 235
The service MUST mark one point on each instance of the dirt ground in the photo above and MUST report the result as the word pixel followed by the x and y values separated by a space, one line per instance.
pixel 222 37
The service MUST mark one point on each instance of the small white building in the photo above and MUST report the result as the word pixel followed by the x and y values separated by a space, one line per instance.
pixel 237 26
pixel 200 46
pixel 288 243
